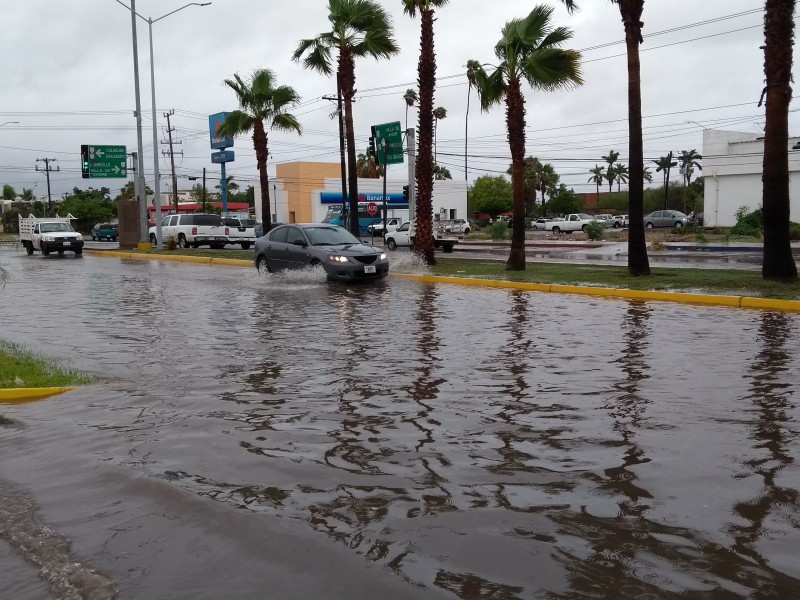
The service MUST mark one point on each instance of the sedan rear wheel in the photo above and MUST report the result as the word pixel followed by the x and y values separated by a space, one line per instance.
pixel 678 225
pixel 649 225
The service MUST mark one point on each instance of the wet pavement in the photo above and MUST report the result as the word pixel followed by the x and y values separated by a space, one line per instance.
pixel 280 437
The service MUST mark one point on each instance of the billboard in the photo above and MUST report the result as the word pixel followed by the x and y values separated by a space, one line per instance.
pixel 214 121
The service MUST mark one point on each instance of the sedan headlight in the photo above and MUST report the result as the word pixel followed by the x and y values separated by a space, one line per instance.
pixel 338 259
pixel 382 256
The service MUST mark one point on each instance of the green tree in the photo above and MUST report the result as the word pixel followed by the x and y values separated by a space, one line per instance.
pixel 647 175
pixel 127 192
pixel 231 184
pixel 360 28
pixel 88 207
pixel 260 100
pixel 439 113
pixel 411 98
pixel 491 194
pixel 631 13
pixel 529 49
pixel 563 201
pixel 366 166
pixel 620 172
pixel 531 181
pixel 598 175
pixel 9 193
pixel 441 173
pixel 611 160
pixel 27 194
pixel 548 179
pixel 778 263
pixel 426 76
pixel 471 66
pixel 689 161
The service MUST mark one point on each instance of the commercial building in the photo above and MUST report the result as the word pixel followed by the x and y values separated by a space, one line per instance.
pixel 732 175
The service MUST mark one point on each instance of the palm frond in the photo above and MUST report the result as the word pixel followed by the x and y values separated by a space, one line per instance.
pixel 377 43
pixel 553 69
pixel 236 123
pixel 286 122
pixel 317 52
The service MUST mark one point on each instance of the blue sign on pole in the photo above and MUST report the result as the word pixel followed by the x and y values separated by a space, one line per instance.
pixel 214 121
pixel 222 156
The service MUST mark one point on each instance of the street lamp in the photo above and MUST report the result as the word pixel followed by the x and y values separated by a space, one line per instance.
pixel 156 174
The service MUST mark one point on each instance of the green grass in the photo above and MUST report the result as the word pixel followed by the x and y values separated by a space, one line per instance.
pixel 34 370
pixel 710 281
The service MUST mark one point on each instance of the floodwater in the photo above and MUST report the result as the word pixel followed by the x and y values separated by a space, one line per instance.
pixel 280 437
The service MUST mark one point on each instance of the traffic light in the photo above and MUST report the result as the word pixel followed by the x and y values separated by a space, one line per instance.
pixel 405 193
pixel 85 161
pixel 372 151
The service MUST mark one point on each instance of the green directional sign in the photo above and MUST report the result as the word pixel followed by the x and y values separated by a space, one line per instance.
pixel 103 161
pixel 393 134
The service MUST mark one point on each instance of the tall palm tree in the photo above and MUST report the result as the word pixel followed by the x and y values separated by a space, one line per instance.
pixel 230 183
pixel 621 175
pixel 471 66
pixel 647 175
pixel 411 99
pixel 439 113
pixel 261 100
pixel 688 160
pixel 360 28
pixel 631 13
pixel 531 182
pixel 528 49
pixel 610 160
pixel 779 40
pixel 598 175
pixel 366 166
pixel 426 75
pixel 665 163
pixel 441 173
pixel 548 179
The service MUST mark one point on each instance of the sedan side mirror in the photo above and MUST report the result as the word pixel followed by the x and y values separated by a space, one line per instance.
pixel 300 243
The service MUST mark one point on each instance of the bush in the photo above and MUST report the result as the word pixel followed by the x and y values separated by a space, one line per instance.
pixel 794 231
pixel 750 224
pixel 498 230
pixel 595 231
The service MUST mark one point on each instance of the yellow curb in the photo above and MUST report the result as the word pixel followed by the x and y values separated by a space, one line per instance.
pixel 680 297
pixel 18 395
pixel 144 245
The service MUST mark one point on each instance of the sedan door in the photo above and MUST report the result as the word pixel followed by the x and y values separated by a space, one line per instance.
pixel 297 255
pixel 275 248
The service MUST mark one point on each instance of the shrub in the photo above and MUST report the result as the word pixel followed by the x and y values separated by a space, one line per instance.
pixel 595 231
pixel 498 230
pixel 750 224
pixel 794 231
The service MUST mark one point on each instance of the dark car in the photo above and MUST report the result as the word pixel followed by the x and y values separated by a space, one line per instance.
pixel 105 231
pixel 342 255
pixel 695 220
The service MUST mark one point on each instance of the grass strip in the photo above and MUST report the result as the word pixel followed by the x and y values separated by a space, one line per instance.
pixel 17 363
pixel 703 281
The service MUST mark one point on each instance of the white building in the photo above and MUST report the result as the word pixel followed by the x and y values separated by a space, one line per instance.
pixel 732 170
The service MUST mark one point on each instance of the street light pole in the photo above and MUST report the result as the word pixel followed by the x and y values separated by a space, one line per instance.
pixel 139 182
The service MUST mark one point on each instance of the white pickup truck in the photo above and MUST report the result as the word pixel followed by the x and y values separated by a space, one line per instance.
pixel 241 231
pixel 193 230
pixel 572 222
pixel 49 234
pixel 404 236
pixel 392 224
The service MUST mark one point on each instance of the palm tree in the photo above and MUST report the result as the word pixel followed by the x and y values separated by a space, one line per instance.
pixel 620 174
pixel 779 36
pixel 261 100
pixel 471 66
pixel 360 28
pixel 230 183
pixel 665 163
pixel 532 182
pixel 631 13
pixel 598 175
pixel 366 166
pixel 688 160
pixel 441 173
pixel 647 175
pixel 548 179
pixel 610 159
pixel 528 49
pixel 439 113
pixel 426 75
pixel 411 99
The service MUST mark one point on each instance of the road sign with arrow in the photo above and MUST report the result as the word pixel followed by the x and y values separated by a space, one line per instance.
pixel 104 161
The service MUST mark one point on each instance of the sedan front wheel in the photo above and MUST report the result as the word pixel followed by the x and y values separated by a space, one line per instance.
pixel 262 265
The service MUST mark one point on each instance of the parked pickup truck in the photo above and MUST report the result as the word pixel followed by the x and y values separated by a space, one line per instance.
pixel 241 231
pixel 572 222
pixel 404 236
pixel 49 234
pixel 391 225
pixel 193 230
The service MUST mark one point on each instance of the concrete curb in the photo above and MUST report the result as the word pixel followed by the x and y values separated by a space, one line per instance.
pixel 681 297
pixel 16 395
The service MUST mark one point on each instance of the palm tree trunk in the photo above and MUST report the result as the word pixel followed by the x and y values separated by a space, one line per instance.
pixel 515 122
pixel 347 69
pixel 779 33
pixel 423 241
pixel 260 146
pixel 638 263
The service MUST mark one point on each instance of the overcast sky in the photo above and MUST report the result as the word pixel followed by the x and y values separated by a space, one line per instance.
pixel 67 77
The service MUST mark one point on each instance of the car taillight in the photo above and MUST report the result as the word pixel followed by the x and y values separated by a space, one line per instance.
pixel 227 231
pixel 194 230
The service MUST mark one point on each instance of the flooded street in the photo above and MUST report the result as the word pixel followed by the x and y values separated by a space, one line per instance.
pixel 281 437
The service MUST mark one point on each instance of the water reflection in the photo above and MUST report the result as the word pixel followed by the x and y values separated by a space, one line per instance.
pixel 769 515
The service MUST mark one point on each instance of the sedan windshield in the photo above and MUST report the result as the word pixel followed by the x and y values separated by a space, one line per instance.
pixel 330 236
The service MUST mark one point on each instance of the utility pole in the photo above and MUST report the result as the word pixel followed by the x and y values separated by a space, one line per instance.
pixel 47 169
pixel 340 113
pixel 204 189
pixel 172 159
